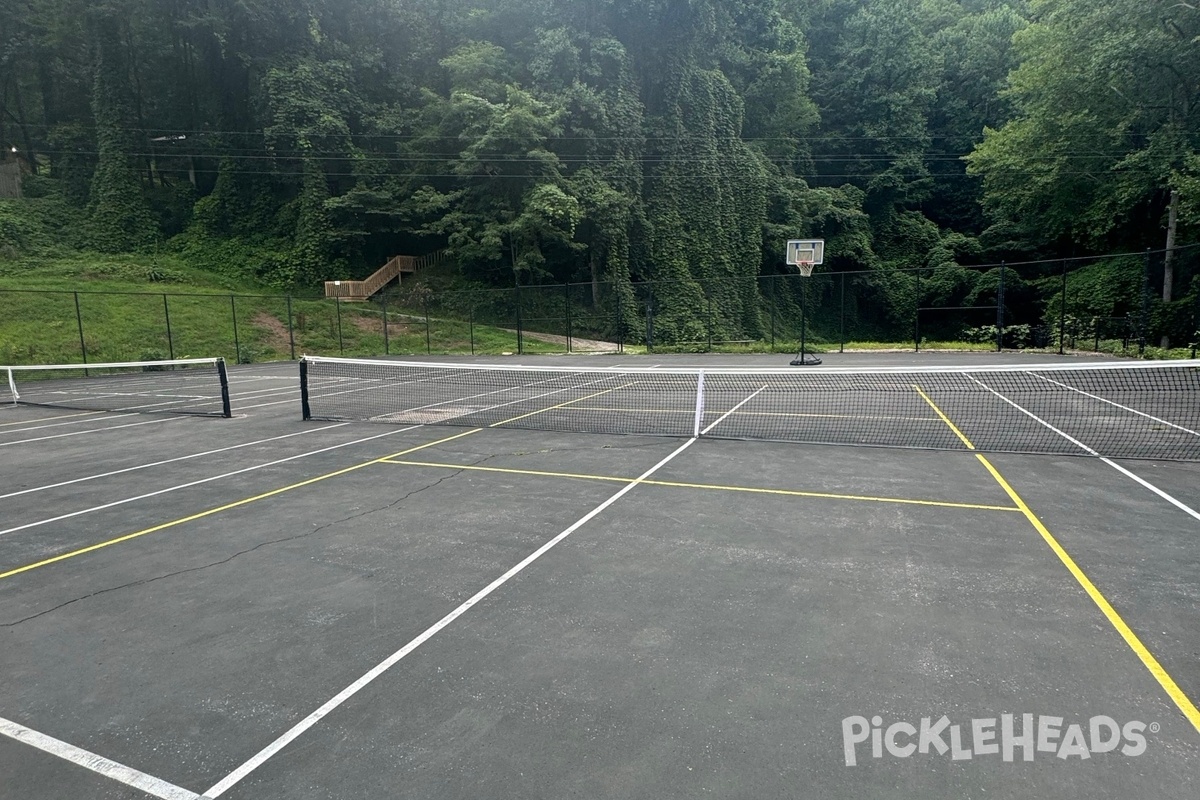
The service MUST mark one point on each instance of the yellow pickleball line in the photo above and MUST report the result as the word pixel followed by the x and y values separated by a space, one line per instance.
pixel 210 512
pixel 1143 653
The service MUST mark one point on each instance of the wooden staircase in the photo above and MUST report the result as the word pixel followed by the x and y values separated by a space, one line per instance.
pixel 359 291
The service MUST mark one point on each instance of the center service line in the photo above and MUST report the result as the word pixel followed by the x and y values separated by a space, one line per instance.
pixel 341 697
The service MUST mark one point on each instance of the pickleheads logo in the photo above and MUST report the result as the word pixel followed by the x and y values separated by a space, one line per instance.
pixel 984 737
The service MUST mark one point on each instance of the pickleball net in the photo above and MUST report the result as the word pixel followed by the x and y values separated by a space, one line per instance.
pixel 1119 410
pixel 179 386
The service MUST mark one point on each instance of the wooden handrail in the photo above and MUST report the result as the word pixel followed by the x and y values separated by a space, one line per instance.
pixel 364 289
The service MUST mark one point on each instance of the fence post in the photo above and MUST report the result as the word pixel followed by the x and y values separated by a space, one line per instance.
pixel 520 331
pixel 472 328
pixel 291 333
pixel 425 311
pixel 386 346
pixel 917 316
pixel 79 322
pixel 1000 311
pixel 842 312
pixel 341 345
pixel 1143 319
pixel 167 316
pixel 567 298
pixel 620 324
pixel 710 324
pixel 237 343
pixel 1062 311
pixel 649 326
pixel 774 284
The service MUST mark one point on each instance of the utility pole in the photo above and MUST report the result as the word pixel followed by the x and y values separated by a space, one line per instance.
pixel 1169 256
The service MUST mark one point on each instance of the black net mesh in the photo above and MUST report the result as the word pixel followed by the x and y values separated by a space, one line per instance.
pixel 195 386
pixel 1134 410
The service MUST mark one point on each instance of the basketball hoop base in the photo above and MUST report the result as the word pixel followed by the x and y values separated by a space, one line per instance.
pixel 807 360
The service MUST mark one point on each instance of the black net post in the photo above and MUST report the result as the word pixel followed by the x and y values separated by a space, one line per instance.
pixel 1000 311
pixel 383 304
pixel 226 410
pixel 237 343
pixel 567 307
pixel 305 411
pixel 291 333
pixel 79 323
pixel 167 317
pixel 1142 318
pixel 1062 312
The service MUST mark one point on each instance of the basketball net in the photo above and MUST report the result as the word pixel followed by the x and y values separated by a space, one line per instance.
pixel 806 268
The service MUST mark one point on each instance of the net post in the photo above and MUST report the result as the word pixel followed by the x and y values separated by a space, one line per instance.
pixel 226 409
pixel 167 316
pixel 620 324
pixel 12 387
pixel 305 411
pixel 79 323
pixel 291 333
pixel 699 404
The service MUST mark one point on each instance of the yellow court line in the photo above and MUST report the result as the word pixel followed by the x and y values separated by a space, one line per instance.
pixel 1143 653
pixel 208 513
pixel 944 418
pixel 46 419
pixel 708 486
pixel 560 405
pixel 789 414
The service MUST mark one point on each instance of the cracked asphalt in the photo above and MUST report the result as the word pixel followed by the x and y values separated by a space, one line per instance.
pixel 682 643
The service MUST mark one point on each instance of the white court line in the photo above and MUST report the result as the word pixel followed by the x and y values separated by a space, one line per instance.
pixel 1117 405
pixel 61 424
pixel 92 430
pixel 341 697
pixel 109 769
pixel 730 411
pixel 168 461
pixel 1172 500
pixel 199 482
pixel 46 419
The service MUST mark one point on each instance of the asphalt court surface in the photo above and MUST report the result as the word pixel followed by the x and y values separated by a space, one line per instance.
pixel 195 588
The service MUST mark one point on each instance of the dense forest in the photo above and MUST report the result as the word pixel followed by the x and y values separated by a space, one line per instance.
pixel 623 141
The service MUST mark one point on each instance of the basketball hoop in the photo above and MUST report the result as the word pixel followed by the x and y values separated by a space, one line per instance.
pixel 806 268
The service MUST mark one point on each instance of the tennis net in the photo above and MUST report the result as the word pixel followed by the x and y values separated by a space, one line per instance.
pixel 1122 410
pixel 181 386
